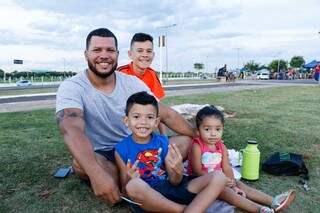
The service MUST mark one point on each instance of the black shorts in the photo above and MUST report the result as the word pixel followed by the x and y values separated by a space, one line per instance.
pixel 179 194
pixel 107 154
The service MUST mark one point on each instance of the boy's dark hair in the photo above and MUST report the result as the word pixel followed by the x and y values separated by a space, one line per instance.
pixel 101 32
pixel 208 111
pixel 142 98
pixel 141 37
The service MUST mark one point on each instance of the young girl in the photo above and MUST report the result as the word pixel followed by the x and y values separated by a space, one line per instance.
pixel 208 153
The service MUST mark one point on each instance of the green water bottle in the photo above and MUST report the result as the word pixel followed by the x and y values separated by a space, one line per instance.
pixel 250 161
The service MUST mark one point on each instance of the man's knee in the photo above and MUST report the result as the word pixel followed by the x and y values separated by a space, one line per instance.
pixel 108 166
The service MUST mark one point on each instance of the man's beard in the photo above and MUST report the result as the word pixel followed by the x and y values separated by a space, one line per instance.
pixel 102 75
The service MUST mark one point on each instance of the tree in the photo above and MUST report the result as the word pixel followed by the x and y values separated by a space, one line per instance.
pixel 198 66
pixel 277 65
pixel 297 61
pixel 263 66
pixel 252 66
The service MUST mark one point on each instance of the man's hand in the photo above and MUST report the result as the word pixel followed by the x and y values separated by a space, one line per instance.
pixel 105 187
pixel 174 159
pixel 133 171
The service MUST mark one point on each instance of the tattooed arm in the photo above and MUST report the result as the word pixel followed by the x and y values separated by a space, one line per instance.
pixel 72 127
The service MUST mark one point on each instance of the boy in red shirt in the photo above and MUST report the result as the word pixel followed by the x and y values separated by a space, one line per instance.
pixel 141 53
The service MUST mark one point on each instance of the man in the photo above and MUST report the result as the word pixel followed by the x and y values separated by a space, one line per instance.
pixel 141 53
pixel 89 111
pixel 222 72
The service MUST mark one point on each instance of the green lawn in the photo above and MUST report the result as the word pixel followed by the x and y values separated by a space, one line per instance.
pixel 286 119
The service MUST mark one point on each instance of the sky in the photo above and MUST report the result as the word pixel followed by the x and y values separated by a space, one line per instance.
pixel 50 35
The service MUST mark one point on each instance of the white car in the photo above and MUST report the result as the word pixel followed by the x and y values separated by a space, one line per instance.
pixel 23 83
pixel 263 76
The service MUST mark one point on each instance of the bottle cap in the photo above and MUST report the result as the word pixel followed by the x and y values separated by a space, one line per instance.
pixel 252 142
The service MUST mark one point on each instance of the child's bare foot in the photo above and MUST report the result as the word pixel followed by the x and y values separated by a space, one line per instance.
pixel 283 201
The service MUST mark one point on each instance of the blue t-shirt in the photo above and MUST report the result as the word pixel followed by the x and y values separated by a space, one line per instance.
pixel 151 164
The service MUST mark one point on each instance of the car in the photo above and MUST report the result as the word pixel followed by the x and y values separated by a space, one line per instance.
pixel 263 74
pixel 23 83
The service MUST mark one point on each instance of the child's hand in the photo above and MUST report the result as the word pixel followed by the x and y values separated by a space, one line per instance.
pixel 174 159
pixel 231 182
pixel 133 171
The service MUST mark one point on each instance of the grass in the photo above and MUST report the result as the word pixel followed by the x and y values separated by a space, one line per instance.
pixel 285 119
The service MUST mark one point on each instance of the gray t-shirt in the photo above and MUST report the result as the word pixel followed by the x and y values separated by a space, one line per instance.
pixel 103 114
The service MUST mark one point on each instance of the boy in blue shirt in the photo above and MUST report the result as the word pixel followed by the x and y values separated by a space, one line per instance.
pixel 151 169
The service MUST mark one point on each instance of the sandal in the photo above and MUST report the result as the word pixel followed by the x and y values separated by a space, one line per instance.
pixel 265 209
pixel 283 201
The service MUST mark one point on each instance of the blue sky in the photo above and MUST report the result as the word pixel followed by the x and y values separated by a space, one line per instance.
pixel 51 34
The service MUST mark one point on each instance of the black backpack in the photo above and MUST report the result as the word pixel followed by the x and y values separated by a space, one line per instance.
pixel 285 164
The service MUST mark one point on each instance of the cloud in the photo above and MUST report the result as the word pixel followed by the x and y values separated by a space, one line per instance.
pixel 43 32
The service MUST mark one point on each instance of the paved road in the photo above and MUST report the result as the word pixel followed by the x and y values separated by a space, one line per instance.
pixel 40 101
pixel 169 89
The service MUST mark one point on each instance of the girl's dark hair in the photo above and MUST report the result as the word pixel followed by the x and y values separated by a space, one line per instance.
pixel 142 98
pixel 208 111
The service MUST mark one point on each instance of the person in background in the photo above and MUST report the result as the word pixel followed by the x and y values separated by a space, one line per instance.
pixel 222 72
pixel 317 73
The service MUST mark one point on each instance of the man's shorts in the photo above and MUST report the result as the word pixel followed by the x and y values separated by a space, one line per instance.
pixel 108 154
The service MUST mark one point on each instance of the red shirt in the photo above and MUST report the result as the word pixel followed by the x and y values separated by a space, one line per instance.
pixel 149 77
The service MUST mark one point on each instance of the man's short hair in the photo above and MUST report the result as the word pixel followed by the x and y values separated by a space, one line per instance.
pixel 101 32
pixel 141 37
pixel 142 98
